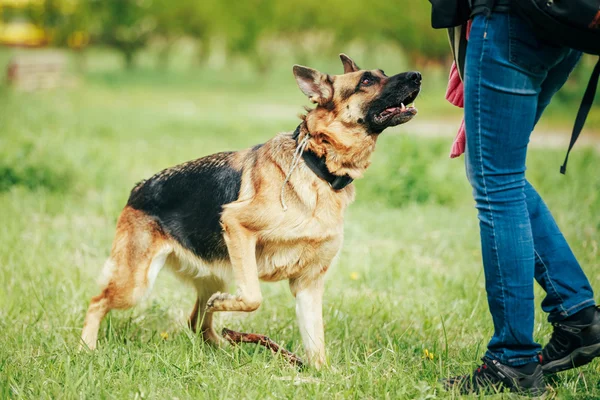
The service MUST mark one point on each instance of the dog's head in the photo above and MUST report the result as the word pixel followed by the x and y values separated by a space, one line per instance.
pixel 353 109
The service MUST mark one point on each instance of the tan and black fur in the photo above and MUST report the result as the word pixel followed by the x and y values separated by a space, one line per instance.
pixel 219 219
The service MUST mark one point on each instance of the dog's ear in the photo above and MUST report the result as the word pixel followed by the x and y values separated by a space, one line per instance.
pixel 349 64
pixel 315 85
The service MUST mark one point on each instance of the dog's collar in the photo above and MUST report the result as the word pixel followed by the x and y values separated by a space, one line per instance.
pixel 319 167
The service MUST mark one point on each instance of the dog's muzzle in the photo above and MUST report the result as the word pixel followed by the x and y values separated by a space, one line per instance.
pixel 395 105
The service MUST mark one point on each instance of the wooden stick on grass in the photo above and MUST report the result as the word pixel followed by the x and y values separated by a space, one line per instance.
pixel 240 337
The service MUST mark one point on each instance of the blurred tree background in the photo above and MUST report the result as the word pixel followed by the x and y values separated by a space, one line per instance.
pixel 256 33
pixel 247 29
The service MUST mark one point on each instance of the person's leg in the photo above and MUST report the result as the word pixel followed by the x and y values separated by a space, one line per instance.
pixel 569 297
pixel 502 85
pixel 556 269
pixel 556 78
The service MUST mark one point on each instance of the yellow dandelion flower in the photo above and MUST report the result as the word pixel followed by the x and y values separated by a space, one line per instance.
pixel 354 276
pixel 164 335
pixel 427 355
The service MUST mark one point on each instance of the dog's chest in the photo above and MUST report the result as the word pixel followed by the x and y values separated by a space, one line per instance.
pixel 307 248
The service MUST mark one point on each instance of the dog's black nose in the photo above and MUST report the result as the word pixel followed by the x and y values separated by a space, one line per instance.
pixel 414 76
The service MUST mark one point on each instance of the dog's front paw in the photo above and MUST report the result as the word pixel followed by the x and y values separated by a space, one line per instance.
pixel 217 302
pixel 229 302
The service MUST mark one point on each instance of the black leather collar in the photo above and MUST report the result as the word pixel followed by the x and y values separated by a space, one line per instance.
pixel 319 167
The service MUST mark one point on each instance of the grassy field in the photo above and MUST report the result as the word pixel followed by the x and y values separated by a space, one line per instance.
pixel 409 279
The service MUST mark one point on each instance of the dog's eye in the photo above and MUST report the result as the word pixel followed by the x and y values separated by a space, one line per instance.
pixel 366 81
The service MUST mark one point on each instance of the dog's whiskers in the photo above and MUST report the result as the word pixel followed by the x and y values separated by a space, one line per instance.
pixel 295 161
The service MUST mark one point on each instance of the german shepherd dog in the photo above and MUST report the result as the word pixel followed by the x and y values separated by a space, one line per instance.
pixel 271 212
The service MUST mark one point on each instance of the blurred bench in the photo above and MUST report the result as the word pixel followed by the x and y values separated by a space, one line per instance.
pixel 36 71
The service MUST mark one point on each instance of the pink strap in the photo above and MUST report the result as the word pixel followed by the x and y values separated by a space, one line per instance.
pixel 455 94
pixel 458 147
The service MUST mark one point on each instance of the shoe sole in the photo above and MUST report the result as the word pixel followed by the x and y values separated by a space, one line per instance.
pixel 537 391
pixel 577 358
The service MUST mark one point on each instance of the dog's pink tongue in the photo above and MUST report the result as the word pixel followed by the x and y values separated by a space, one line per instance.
pixel 394 109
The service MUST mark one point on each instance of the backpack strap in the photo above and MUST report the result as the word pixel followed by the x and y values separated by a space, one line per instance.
pixel 584 109
pixel 458 43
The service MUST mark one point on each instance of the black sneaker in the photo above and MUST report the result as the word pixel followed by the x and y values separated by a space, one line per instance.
pixel 574 342
pixel 493 377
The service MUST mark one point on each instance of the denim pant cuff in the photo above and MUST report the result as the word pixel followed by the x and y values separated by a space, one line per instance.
pixel 513 361
pixel 567 312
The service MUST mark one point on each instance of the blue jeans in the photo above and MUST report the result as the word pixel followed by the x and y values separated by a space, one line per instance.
pixel 510 77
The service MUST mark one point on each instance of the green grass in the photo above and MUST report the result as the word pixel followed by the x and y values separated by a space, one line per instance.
pixel 409 278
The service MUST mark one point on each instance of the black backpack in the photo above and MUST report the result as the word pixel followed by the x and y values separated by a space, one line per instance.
pixel 571 23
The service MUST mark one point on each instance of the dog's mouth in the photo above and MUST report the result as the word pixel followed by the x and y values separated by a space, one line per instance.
pixel 399 112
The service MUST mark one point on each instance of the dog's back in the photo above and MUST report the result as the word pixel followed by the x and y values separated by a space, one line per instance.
pixel 186 201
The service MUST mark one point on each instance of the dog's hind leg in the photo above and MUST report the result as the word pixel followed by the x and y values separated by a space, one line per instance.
pixel 139 253
pixel 206 287
pixel 124 290
pixel 99 307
